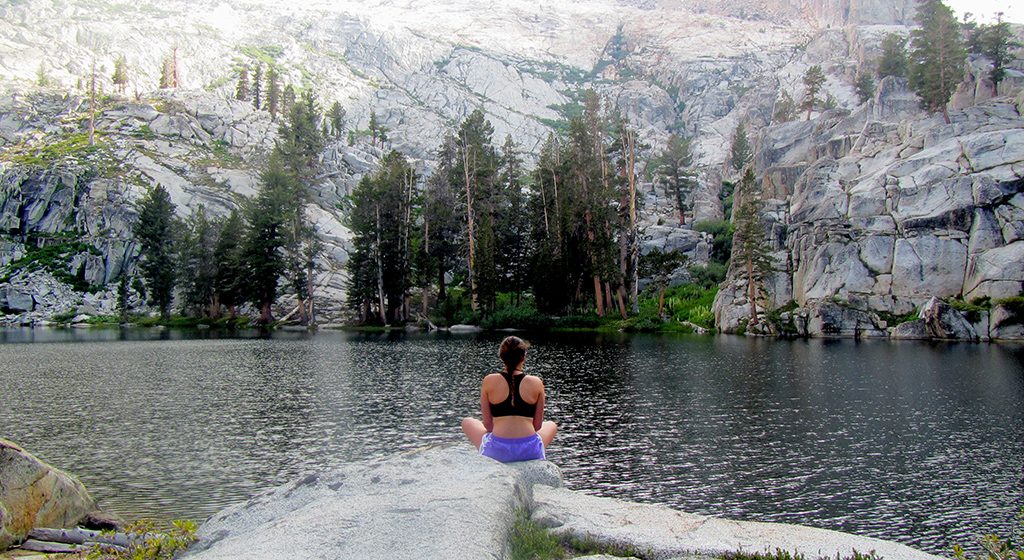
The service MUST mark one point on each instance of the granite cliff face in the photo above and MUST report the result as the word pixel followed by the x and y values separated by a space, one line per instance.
pixel 875 218
pixel 702 66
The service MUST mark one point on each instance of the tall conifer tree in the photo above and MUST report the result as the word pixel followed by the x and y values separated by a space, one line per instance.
pixel 937 56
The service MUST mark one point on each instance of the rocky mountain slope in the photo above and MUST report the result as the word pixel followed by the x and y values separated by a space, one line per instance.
pixel 702 66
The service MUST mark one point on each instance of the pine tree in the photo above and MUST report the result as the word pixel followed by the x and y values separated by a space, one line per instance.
pixel 242 89
pixel 120 77
pixel 865 87
pixel 197 263
pixel 893 61
pixel 814 79
pixel 381 219
pixel 785 108
pixel 372 126
pixel 337 119
pixel 740 153
pixel 42 78
pixel 996 42
pixel 675 170
pixel 750 251
pixel 154 231
pixel 266 218
pixel 287 99
pixel 257 86
pixel 512 226
pixel 122 297
pixel 273 92
pixel 167 73
pixel 474 168
pixel 937 56
pixel 300 139
pixel 232 272
pixel 660 265
pixel 442 222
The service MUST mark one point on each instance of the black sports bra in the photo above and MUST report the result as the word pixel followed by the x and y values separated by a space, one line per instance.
pixel 513 405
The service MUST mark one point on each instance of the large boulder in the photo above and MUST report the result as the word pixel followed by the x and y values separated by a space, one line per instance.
pixel 943 322
pixel 666 533
pixel 438 503
pixel 34 494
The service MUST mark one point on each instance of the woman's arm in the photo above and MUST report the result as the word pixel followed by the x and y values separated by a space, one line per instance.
pixel 538 414
pixel 485 407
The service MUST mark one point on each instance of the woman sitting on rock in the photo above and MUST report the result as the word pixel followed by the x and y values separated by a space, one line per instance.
pixel 512 405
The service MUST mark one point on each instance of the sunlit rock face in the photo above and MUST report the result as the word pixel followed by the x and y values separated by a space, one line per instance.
pixel 693 67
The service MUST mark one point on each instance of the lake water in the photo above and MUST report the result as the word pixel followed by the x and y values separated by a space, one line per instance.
pixel 918 443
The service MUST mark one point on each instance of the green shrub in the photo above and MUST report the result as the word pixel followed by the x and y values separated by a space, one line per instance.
pixel 995 548
pixel 1015 305
pixel 530 541
pixel 517 317
pixel 721 232
pixel 148 545
pixel 703 316
pixel 588 321
pixel 708 276
pixel 971 311
pixel 780 554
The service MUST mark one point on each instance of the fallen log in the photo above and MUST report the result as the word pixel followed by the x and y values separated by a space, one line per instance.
pixel 40 546
pixel 82 536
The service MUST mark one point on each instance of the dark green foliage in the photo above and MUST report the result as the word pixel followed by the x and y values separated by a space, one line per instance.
pixel 475 170
pixel 511 224
pixel 785 108
pixel 741 153
pixel 865 86
pixel 336 116
pixel 660 265
pixel 709 275
pixel 273 92
pixel 288 98
pixel 242 89
pixel 380 266
pixel 893 61
pixel 676 174
pixel 750 251
pixel 996 43
pixel 257 86
pixel 937 56
pixel 122 297
pixel 524 316
pixel 155 232
pixel 530 541
pixel 971 311
pixel 721 231
pixel 300 139
pixel 232 274
pixel 120 76
pixel 198 264
pixel 262 250
pixel 53 253
pixel 814 79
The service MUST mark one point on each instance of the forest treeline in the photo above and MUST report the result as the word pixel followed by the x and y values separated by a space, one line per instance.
pixel 482 234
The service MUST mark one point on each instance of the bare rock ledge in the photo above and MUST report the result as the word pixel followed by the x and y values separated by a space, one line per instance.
pixel 448 502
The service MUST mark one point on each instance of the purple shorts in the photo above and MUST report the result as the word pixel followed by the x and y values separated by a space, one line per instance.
pixel 509 450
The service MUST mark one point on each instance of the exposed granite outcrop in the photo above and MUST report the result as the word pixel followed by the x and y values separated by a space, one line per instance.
pixel 449 502
pixel 903 213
